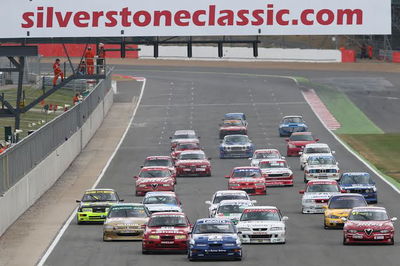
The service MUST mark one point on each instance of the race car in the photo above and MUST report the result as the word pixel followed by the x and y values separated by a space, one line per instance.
pixel 154 179
pixel 263 154
pixel 161 197
pixel 276 172
pixel 236 116
pixel 313 149
pixel 317 194
pixel 368 225
pixel 182 135
pixel 321 167
pixel 125 221
pixel 191 163
pixel 225 195
pixel 339 206
pixel 360 183
pixel 154 208
pixel 247 178
pixel 297 141
pixel 232 209
pixel 163 161
pixel 166 231
pixel 262 224
pixel 94 205
pixel 232 127
pixel 236 146
pixel 290 124
pixel 185 145
pixel 214 239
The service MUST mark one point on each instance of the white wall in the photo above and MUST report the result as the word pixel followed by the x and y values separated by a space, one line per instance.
pixel 244 54
pixel 30 188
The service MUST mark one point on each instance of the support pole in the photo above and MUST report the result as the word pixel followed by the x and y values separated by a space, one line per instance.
pixel 19 93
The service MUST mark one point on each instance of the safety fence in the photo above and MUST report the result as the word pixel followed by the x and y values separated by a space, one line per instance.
pixel 18 160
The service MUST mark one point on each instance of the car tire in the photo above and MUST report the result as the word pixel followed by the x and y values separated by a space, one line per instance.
pixel 345 242
pixel 104 239
pixel 305 180
pixel 392 241
pixel 325 226
pixel 301 167
pixel 238 259
pixel 78 222
pixel 145 251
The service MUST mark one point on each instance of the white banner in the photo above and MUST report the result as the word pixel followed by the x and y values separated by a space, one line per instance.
pixel 116 18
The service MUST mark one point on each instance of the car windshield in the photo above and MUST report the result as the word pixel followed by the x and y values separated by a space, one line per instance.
pixel 260 215
pixel 322 188
pixel 301 137
pixel 356 179
pixel 347 202
pixel 192 156
pixel 266 155
pixel 99 196
pixel 168 220
pixel 234 208
pixel 217 228
pixel 187 146
pixel 292 120
pixel 185 136
pixel 233 139
pixel 281 164
pixel 218 199
pixel 360 215
pixel 228 123
pixel 234 116
pixel 158 162
pixel 317 150
pixel 321 161
pixel 127 211
pixel 155 173
pixel 247 173
pixel 164 199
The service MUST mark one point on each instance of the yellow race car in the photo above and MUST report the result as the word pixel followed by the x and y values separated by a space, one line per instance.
pixel 339 206
pixel 95 204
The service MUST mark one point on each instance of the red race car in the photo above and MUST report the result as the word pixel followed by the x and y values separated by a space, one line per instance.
pixel 154 179
pixel 297 141
pixel 193 163
pixel 185 145
pixel 249 179
pixel 162 161
pixel 368 225
pixel 166 231
pixel 232 127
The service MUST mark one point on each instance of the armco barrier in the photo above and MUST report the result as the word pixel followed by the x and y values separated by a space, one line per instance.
pixel 30 168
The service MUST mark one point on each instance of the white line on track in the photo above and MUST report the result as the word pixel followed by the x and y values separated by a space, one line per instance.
pixel 223 104
pixel 68 222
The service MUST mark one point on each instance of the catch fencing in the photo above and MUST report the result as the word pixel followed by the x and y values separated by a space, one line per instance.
pixel 18 160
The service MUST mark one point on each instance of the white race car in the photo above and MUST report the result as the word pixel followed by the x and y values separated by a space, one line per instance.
pixel 262 224
pixel 232 209
pixel 276 172
pixel 225 195
pixel 321 167
pixel 152 208
pixel 314 149
pixel 264 154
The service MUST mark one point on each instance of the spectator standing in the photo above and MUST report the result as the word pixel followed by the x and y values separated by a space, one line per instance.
pixel 370 49
pixel 57 72
pixel 363 51
pixel 89 57
pixel 75 99
pixel 101 53
pixel 82 68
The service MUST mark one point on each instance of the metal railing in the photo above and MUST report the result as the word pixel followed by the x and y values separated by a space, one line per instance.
pixel 21 158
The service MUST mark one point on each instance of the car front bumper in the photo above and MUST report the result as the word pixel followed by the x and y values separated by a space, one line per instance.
pixel 236 154
pixel 196 252
pixel 328 176
pixel 188 171
pixel 161 245
pixel 271 237
pixel 144 190
pixel 251 190
pixel 91 216
pixel 123 234
pixel 360 238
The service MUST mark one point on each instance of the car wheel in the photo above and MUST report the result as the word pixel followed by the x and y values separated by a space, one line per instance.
pixel 392 241
pixel 145 251
pixel 325 226
pixel 137 194
pixel 305 179
pixel 301 167
pixel 209 174
pixel 345 241
pixel 78 222
pixel 104 239
pixel 238 259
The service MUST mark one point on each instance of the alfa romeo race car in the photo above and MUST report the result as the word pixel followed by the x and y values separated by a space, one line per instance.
pixel 249 179
pixel 191 163
pixel 162 161
pixel 360 183
pixel 297 141
pixel 368 225
pixel 262 224
pixel 264 154
pixel 95 204
pixel 214 239
pixel 339 206
pixel 154 179
pixel 290 124
pixel 166 231
pixel 317 194
pixel 180 135
pixel 125 221
pixel 236 146
pixel 232 209
pixel 225 195
pixel 321 167
pixel 236 116
pixel 232 127
pixel 185 145
pixel 314 149
pixel 276 172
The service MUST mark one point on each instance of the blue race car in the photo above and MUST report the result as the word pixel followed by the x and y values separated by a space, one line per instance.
pixel 236 116
pixel 213 238
pixel 360 183
pixel 236 146
pixel 290 124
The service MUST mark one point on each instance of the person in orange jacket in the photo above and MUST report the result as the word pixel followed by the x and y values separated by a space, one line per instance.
pixel 89 57
pixel 370 50
pixel 57 72
pixel 101 53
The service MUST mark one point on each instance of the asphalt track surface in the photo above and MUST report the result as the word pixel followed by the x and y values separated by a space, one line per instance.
pixel 180 100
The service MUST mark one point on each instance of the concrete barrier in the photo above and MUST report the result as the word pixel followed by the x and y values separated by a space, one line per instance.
pixel 34 184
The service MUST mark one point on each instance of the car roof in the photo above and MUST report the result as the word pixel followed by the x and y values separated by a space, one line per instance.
pixel 317 145
pixel 99 189
pixel 192 151
pixel 347 195
pixel 236 135
pixel 355 173
pixel 214 220
pixel 321 155
pixel 185 131
pixel 372 208
pixel 246 167
pixel 163 207
pixel 156 157
pixel 230 192
pixel 261 207
pixel 227 114
pixel 273 160
pixel 167 213
pixel 267 151
pixel 184 141
pixel 160 193
pixel 292 116
pixel 302 133
pixel 155 168
pixel 234 202
pixel 127 204
pixel 321 181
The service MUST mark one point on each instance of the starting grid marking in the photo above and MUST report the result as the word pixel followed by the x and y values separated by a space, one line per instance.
pixel 319 107
pixel 221 104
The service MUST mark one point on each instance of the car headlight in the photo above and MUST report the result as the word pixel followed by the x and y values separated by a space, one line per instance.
pixel 154 237
pixel 292 146
pixel 86 209
pixel 260 184
pixel 352 231
pixel 238 242
pixel 142 185
pixel 241 229
pixel 192 242
pixel 180 237
pixel 385 231
pixel 276 229
pixel 286 174
pixel 203 166
pixel 308 201
pixel 374 189
pixel 166 185
pixel 234 185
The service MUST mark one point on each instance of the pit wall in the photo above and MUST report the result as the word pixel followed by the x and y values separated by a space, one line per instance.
pixel 33 185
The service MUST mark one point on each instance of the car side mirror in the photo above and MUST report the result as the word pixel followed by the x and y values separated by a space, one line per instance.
pixel 333 152
pixel 121 200
pixel 209 158
pixel 287 139
pixel 135 177
pixel 300 152
pixel 239 233
pixel 254 201
pixel 170 137
pixel 301 192
pixel 208 202
pixel 337 163
pixel 316 139
pixel 77 201
pixel 227 176
pixel 141 166
pixel 325 207
pixel 393 219
pixel 250 159
pixel 344 219
pixel 343 191
pixel 285 218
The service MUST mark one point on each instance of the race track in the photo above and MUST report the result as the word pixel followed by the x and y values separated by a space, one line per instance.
pixel 178 100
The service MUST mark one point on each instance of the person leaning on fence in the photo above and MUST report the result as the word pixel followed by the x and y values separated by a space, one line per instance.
pixel 101 55
pixel 89 55
pixel 75 99
pixel 57 72
pixel 82 68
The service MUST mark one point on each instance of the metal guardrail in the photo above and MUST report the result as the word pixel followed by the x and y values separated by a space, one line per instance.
pixel 21 158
